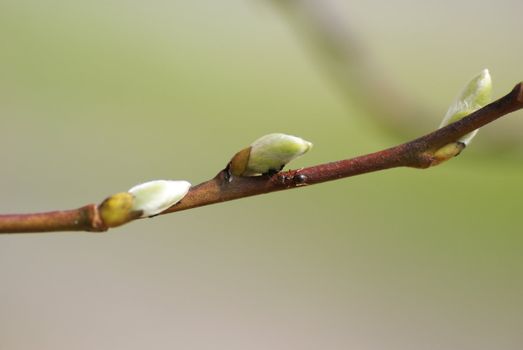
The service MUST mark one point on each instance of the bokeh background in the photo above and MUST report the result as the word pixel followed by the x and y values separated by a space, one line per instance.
pixel 98 96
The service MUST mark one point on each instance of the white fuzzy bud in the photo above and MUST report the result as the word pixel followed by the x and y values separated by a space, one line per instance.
pixel 271 152
pixel 153 197
pixel 476 94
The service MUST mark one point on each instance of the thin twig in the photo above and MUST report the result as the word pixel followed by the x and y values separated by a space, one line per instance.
pixel 82 219
pixel 418 153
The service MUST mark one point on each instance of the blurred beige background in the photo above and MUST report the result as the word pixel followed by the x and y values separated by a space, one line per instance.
pixel 98 96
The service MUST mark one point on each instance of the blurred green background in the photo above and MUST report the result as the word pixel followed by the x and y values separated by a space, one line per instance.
pixel 98 96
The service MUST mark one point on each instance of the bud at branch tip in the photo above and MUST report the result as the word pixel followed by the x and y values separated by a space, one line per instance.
pixel 475 95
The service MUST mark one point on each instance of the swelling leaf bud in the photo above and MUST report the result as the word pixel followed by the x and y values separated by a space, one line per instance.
pixel 117 209
pixel 153 197
pixel 267 155
pixel 476 94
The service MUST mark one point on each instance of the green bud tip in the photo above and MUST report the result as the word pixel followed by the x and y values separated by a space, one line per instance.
pixel 475 95
pixel 153 197
pixel 269 153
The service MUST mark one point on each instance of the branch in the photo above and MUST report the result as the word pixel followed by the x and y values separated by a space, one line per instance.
pixel 82 219
pixel 419 153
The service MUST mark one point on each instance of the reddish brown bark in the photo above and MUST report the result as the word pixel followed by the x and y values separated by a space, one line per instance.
pixel 418 153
